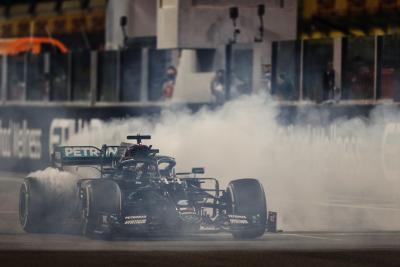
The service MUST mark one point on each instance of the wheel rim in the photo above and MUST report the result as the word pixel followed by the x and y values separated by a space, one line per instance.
pixel 85 214
pixel 84 222
pixel 23 205
pixel 229 201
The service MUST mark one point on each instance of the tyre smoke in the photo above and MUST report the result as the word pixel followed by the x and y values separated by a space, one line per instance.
pixel 59 182
pixel 59 192
pixel 322 177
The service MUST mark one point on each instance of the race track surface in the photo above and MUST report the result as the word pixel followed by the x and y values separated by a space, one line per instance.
pixel 302 248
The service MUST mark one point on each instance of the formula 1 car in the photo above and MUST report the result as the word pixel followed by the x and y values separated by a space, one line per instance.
pixel 137 192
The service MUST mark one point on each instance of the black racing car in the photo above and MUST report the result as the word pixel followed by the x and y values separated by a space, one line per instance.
pixel 137 192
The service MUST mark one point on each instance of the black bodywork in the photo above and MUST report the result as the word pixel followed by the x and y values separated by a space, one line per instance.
pixel 139 193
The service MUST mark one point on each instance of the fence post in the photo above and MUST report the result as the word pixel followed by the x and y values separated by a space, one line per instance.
pixel 93 77
pixel 301 74
pixel 337 62
pixel 46 72
pixel 118 76
pixel 25 83
pixel 69 77
pixel 4 79
pixel 378 67
pixel 228 70
pixel 274 67
pixel 144 79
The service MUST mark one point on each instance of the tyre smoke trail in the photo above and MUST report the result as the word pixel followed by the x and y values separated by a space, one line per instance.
pixel 331 177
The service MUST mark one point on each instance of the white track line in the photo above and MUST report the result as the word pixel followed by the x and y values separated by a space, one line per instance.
pixel 314 237
pixel 11 179
pixel 352 206
pixel 13 174
pixel 356 206
pixel 7 212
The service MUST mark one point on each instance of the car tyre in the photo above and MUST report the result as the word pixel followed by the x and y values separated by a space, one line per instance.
pixel 246 197
pixel 32 206
pixel 101 197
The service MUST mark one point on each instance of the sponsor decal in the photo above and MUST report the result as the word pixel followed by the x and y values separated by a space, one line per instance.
pixel 141 219
pixel 17 140
pixel 81 152
pixel 86 152
pixel 183 202
pixel 61 130
pixel 237 219
pixel 186 210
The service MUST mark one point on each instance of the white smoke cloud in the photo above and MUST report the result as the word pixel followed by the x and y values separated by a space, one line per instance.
pixel 332 177
pixel 60 192
pixel 56 180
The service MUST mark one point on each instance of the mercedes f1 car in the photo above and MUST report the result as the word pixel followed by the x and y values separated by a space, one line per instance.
pixel 137 192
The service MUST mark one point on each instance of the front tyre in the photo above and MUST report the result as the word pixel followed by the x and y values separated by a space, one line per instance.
pixel 246 205
pixel 102 198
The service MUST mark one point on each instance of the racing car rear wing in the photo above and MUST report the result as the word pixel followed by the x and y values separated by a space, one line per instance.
pixel 195 170
pixel 85 155
pixel 138 138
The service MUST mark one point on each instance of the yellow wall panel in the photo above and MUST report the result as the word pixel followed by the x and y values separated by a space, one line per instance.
pixel 341 13
pixel 341 7
pixel 53 24
pixel 309 8
pixel 372 6
pixel 335 34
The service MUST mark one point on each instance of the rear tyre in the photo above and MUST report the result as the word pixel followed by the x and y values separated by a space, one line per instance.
pixel 246 197
pixel 31 206
pixel 102 198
